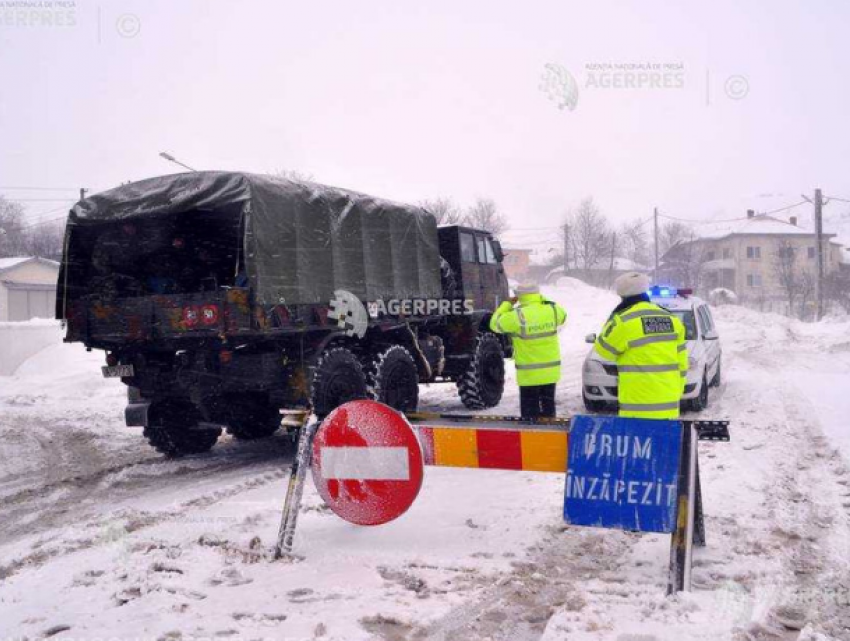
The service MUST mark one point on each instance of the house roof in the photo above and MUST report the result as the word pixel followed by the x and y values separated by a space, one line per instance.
pixel 10 263
pixel 757 225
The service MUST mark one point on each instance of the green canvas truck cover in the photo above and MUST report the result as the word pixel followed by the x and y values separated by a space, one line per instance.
pixel 301 242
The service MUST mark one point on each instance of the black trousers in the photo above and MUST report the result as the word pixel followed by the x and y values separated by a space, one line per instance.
pixel 537 401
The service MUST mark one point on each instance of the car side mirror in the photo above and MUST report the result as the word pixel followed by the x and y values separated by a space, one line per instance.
pixel 590 338
pixel 497 249
pixel 711 336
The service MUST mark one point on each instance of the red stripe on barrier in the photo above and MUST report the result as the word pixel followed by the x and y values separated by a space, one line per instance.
pixel 498 449
pixel 426 439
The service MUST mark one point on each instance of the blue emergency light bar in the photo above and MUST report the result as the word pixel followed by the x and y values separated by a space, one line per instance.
pixel 663 291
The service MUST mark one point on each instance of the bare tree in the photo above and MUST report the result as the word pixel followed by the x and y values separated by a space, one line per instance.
pixel 484 214
pixel 13 237
pixel 672 234
pixel 634 244
pixel 796 282
pixel 293 174
pixel 444 210
pixel 590 237
pixel 46 240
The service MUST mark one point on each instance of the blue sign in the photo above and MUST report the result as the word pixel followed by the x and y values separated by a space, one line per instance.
pixel 623 473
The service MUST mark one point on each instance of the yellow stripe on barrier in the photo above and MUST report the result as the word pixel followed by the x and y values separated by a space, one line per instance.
pixel 544 451
pixel 456 447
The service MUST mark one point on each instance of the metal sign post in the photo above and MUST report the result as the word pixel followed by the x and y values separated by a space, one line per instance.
pixel 682 540
pixel 295 489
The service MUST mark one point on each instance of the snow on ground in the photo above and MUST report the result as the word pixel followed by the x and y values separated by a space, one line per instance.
pixel 102 538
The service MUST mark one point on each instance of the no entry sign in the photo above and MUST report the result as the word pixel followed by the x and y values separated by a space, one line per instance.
pixel 367 463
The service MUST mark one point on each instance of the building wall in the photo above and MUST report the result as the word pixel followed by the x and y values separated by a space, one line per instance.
pixel 21 304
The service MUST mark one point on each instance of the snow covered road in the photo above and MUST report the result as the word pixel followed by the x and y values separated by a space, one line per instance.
pixel 102 538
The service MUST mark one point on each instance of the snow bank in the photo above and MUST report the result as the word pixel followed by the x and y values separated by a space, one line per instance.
pixel 20 341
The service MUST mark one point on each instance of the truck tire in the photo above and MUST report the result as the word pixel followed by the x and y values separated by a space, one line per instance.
pixel 337 379
pixel 483 382
pixel 392 378
pixel 251 417
pixel 170 429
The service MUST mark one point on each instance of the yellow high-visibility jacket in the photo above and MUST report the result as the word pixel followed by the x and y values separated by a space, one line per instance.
pixel 648 344
pixel 533 327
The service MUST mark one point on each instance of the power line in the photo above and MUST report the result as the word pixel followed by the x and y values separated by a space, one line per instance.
pixel 38 188
pixel 843 200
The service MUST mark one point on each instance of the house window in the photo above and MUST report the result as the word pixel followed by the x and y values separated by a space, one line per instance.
pixel 754 253
pixel 727 253
pixel 709 256
pixel 811 253
pixel 753 280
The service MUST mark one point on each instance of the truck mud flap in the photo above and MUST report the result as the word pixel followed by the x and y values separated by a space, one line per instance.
pixel 136 414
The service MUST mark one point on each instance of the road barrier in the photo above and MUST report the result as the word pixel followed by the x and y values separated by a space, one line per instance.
pixel 637 475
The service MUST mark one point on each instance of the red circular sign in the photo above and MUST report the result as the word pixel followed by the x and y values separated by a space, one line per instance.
pixel 367 463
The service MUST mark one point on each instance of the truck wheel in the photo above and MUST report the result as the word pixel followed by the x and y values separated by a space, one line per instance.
pixel 483 382
pixel 393 379
pixel 170 429
pixel 251 417
pixel 337 379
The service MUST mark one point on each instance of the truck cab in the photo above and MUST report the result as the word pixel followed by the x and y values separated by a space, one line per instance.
pixel 475 258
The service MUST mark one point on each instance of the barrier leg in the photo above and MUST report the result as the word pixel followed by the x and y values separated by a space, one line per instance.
pixel 295 489
pixel 681 544
pixel 699 520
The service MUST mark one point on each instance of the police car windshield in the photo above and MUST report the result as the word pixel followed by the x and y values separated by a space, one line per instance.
pixel 687 318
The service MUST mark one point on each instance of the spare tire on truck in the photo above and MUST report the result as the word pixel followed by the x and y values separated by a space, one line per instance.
pixel 482 383
pixel 337 378
pixel 172 428
pixel 393 378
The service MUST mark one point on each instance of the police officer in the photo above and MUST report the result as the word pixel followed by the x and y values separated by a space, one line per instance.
pixel 532 322
pixel 647 343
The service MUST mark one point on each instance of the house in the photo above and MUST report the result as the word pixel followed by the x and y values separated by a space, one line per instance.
pixel 760 258
pixel 27 288
pixel 517 262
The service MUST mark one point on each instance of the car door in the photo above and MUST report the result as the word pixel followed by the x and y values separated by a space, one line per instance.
pixel 712 342
pixel 709 341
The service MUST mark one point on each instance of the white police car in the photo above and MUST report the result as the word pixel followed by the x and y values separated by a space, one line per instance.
pixel 599 377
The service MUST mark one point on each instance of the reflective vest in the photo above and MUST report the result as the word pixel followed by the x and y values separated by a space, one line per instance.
pixel 533 328
pixel 648 344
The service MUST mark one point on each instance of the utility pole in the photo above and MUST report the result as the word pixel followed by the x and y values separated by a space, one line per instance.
pixel 655 272
pixel 566 248
pixel 819 234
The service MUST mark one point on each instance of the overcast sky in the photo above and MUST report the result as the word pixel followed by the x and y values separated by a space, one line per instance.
pixel 412 100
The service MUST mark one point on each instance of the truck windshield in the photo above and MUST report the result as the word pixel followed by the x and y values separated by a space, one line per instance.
pixel 688 320
pixel 193 252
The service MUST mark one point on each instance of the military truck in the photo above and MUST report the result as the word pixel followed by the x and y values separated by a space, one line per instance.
pixel 222 298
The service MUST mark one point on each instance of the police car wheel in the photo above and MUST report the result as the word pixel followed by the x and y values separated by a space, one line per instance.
pixel 482 383
pixel 169 429
pixel 699 403
pixel 337 379
pixel 393 379
pixel 591 405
